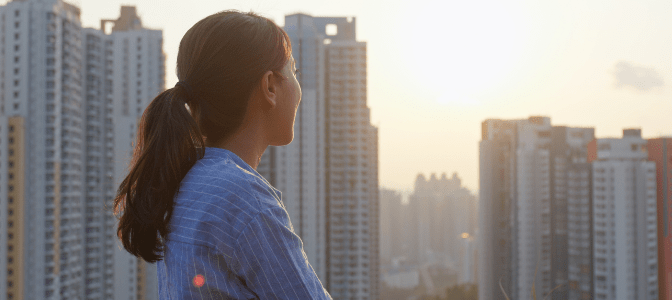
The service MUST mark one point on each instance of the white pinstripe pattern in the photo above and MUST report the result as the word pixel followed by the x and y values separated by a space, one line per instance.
pixel 230 226
pixel 218 197
pixel 273 190
pixel 214 225
pixel 184 207
pixel 262 179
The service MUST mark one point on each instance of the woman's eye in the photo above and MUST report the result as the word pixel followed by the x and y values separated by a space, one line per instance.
pixel 297 72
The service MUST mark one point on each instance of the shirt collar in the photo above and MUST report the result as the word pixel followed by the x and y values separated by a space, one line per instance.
pixel 214 152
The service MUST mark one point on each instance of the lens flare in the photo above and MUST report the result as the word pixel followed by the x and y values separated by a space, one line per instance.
pixel 199 280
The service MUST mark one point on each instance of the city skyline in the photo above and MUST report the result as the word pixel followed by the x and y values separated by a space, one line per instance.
pixel 546 191
pixel 557 59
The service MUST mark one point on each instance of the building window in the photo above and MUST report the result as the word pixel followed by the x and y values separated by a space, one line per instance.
pixel 16 59
pixel 16 48
pixel 16 71
pixel 16 83
pixel 16 36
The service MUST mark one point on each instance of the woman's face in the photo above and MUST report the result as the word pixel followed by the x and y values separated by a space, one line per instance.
pixel 289 97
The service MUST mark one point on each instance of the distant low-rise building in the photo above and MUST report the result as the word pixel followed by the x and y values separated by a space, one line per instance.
pixel 402 278
pixel 391 226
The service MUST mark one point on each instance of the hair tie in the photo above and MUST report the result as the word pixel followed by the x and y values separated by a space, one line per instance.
pixel 186 87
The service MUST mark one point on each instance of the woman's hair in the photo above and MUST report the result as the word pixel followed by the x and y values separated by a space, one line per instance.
pixel 220 61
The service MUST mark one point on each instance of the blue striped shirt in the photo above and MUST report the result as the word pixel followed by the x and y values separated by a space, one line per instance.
pixel 231 238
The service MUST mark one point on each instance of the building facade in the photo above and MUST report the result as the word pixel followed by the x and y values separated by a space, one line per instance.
pixel 329 173
pixel 624 217
pixel 65 141
pixel 660 152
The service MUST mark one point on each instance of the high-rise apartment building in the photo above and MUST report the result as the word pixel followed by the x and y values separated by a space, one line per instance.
pixel 329 173
pixel 496 263
pixel 624 217
pixel 42 151
pixel 70 99
pixel 513 194
pixel 124 72
pixel 568 215
pixel 526 188
pixel 579 255
pixel 660 152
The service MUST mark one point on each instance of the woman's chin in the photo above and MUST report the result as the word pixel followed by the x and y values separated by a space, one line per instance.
pixel 283 141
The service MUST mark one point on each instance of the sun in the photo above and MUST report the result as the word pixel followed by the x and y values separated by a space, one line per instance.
pixel 465 48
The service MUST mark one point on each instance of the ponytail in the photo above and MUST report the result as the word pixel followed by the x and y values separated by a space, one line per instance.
pixel 169 142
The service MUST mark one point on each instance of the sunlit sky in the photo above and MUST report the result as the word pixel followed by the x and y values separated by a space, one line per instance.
pixel 437 69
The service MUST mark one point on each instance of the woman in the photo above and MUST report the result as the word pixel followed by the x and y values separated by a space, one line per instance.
pixel 193 201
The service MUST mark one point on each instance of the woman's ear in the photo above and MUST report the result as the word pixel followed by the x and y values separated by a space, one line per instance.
pixel 269 90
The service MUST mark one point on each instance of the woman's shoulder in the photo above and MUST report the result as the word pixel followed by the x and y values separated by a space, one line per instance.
pixel 229 178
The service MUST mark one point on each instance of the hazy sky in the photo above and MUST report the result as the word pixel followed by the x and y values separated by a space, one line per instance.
pixel 437 69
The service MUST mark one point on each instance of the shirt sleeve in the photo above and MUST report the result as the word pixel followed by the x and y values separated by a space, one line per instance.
pixel 272 261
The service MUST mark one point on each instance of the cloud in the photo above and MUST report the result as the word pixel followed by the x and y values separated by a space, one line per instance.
pixel 640 78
